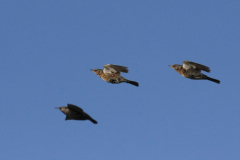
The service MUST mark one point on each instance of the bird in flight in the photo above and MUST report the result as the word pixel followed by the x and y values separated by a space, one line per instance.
pixel 112 74
pixel 193 70
pixel 73 112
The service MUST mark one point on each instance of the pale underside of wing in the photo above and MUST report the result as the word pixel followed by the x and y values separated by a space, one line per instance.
pixel 192 65
pixel 110 68
pixel 75 108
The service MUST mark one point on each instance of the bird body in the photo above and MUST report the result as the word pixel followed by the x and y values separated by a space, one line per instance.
pixel 193 70
pixel 73 112
pixel 112 74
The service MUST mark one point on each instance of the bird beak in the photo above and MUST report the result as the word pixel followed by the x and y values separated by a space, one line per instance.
pixel 170 65
pixel 57 107
pixel 91 69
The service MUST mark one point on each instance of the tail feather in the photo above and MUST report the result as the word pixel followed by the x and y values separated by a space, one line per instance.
pixel 132 82
pixel 92 120
pixel 213 80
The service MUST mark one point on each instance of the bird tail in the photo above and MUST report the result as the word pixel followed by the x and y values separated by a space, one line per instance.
pixel 212 79
pixel 92 120
pixel 132 82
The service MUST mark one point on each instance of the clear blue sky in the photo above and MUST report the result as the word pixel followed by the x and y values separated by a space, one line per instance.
pixel 48 47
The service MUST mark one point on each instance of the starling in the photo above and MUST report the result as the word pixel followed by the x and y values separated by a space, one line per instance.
pixel 73 112
pixel 193 70
pixel 111 73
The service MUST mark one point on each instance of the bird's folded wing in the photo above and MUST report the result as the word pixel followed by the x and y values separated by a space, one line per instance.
pixel 75 108
pixel 192 65
pixel 110 68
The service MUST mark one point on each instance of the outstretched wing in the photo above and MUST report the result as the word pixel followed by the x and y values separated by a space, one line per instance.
pixel 75 108
pixel 192 65
pixel 110 68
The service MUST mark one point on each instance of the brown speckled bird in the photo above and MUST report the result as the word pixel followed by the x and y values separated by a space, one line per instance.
pixel 111 73
pixel 193 70
pixel 73 112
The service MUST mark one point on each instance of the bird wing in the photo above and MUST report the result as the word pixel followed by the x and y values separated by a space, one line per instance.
pixel 75 108
pixel 110 68
pixel 192 65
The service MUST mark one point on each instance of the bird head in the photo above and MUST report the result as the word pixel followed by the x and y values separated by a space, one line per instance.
pixel 176 66
pixel 97 71
pixel 63 109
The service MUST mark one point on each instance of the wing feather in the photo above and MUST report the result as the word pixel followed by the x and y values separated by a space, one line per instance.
pixel 75 108
pixel 192 65
pixel 110 68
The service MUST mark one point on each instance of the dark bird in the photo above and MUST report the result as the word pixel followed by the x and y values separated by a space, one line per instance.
pixel 73 112
pixel 193 70
pixel 111 73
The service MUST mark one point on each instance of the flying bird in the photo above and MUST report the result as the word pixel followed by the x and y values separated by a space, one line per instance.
pixel 73 112
pixel 112 74
pixel 193 70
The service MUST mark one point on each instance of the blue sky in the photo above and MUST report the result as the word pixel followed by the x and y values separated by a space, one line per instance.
pixel 48 48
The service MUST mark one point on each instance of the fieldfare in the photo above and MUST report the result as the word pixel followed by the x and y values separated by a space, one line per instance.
pixel 193 71
pixel 75 113
pixel 111 73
